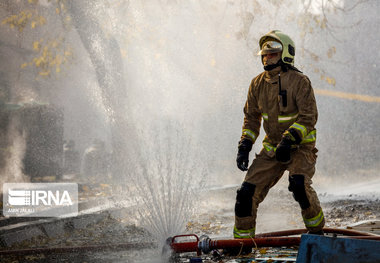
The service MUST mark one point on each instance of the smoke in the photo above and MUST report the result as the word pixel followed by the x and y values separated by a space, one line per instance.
pixel 13 155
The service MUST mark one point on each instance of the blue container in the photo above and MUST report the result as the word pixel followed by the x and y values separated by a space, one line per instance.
pixel 195 260
pixel 318 249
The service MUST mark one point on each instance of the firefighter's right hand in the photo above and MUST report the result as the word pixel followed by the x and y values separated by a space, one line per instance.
pixel 242 160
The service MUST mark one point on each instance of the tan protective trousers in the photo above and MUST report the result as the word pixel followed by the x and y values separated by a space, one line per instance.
pixel 266 171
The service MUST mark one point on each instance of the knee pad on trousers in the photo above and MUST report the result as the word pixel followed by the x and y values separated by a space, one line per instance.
pixel 243 206
pixel 297 186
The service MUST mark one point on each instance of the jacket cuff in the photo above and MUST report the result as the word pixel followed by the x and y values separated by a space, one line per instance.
pixel 249 134
pixel 301 130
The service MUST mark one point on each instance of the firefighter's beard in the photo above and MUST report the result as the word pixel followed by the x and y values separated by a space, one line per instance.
pixel 271 63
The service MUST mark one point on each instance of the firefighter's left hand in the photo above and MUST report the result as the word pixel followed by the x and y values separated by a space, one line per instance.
pixel 283 150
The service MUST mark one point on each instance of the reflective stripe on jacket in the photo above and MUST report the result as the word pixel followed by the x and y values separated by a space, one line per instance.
pixel 264 102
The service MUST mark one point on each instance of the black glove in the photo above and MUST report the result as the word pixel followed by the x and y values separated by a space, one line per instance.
pixel 283 150
pixel 244 147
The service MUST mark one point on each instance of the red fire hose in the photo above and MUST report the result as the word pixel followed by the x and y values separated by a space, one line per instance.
pixel 339 231
pixel 272 239
pixel 205 245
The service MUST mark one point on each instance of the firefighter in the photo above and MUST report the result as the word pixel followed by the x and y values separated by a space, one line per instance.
pixel 283 98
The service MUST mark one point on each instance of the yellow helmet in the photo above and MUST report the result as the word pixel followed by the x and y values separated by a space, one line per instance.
pixel 268 44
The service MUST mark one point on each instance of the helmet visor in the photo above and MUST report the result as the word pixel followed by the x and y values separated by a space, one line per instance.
pixel 270 47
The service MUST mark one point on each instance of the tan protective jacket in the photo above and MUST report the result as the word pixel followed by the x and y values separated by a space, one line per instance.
pixel 264 101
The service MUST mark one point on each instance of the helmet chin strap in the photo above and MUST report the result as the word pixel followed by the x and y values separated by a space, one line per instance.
pixel 284 67
pixel 273 66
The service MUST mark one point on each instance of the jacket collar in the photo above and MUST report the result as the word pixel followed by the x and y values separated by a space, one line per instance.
pixel 272 75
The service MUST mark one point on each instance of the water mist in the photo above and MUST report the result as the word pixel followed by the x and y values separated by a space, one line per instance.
pixel 168 179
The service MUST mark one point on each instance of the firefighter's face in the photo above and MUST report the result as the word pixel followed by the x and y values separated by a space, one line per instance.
pixel 271 59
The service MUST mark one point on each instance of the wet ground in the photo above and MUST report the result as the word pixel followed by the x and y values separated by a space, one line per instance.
pixel 351 210
pixel 214 217
pixel 279 211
